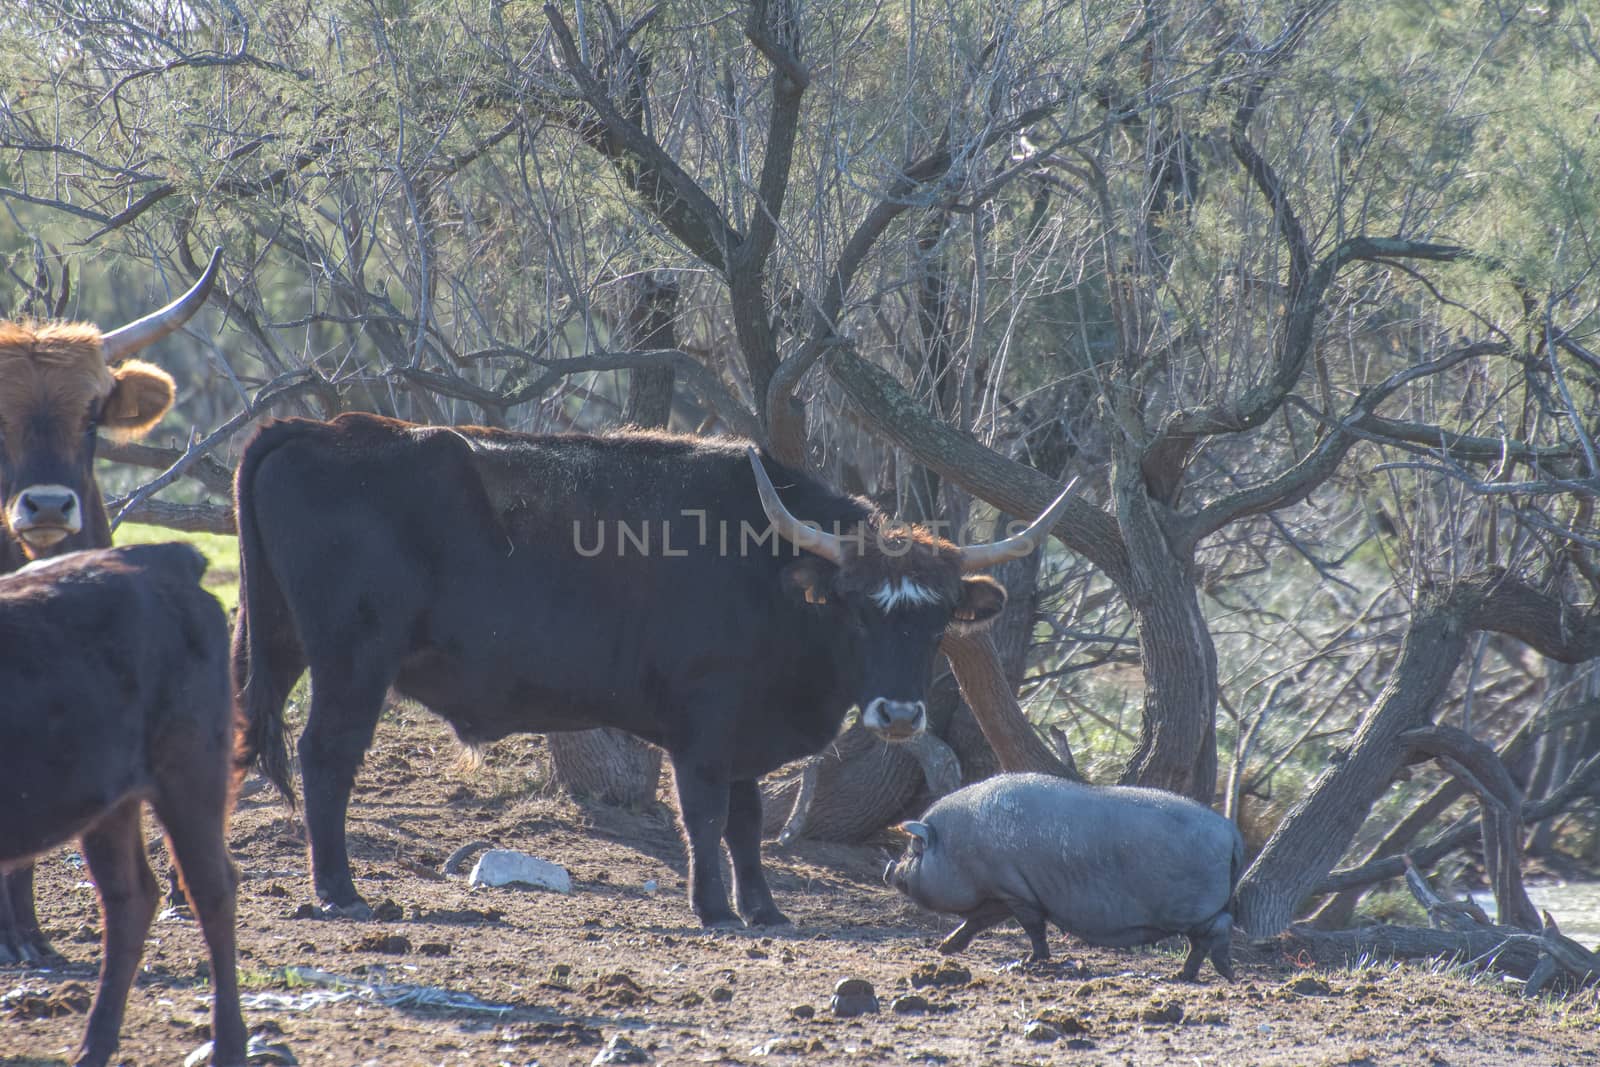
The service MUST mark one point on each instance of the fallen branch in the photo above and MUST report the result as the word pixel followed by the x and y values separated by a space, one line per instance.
pixel 1460 932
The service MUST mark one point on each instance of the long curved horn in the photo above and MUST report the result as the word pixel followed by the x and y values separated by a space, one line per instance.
pixel 791 529
pixel 982 557
pixel 124 341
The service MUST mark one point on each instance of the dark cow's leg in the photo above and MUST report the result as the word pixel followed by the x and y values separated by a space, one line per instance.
pixel 743 835
pixel 114 852
pixel 338 731
pixel 703 806
pixel 986 915
pixel 197 839
pixel 21 940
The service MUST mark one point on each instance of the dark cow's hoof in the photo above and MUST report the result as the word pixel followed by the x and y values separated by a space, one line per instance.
pixel 358 910
pixel 728 921
pixel 26 949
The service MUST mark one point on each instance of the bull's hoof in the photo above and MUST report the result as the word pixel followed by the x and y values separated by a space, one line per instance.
pixel 359 910
pixel 767 916
pixel 725 921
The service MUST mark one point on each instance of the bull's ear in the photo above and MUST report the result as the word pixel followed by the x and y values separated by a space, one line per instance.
pixel 142 395
pixel 810 578
pixel 981 600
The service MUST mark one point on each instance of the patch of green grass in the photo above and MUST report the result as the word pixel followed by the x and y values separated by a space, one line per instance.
pixel 221 552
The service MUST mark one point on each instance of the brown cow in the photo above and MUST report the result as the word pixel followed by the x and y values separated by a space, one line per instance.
pixel 114 663
pixel 60 384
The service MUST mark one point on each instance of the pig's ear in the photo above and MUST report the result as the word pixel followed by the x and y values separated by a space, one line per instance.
pixel 921 834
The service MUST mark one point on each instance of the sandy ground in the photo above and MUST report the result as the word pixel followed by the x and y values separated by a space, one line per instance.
pixel 558 977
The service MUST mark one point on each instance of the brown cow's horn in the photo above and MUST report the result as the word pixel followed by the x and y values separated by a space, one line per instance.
pixel 124 341
pixel 791 529
pixel 982 557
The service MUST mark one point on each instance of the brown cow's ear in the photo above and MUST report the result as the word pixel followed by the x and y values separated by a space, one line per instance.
pixel 810 578
pixel 142 395
pixel 981 600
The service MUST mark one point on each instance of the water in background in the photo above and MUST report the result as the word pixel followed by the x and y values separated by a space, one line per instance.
pixel 1575 907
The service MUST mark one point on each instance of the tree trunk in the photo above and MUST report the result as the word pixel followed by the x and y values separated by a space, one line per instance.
pixel 1012 634
pixel 1016 743
pixel 863 784
pixel 1178 737
pixel 608 764
pixel 1319 828
pixel 651 324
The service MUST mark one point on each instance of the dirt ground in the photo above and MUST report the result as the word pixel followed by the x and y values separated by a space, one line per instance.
pixel 558 977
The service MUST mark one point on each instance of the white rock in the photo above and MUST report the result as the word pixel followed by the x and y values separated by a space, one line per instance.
pixel 504 866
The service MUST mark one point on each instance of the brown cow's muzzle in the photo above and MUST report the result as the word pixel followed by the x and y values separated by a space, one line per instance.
pixel 42 516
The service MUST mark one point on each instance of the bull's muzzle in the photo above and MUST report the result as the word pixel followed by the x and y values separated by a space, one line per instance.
pixel 895 720
pixel 43 516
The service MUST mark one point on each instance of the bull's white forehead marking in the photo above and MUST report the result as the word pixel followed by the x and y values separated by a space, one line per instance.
pixel 895 593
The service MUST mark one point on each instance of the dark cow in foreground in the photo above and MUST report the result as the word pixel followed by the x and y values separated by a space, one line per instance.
pixel 60 384
pixel 652 583
pixel 114 665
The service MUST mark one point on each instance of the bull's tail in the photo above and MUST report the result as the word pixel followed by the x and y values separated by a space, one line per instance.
pixel 267 655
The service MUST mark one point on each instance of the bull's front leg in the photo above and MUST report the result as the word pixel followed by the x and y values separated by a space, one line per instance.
pixel 703 807
pixel 744 849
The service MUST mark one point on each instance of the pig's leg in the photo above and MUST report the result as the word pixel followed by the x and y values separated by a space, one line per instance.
pixel 988 914
pixel 1033 924
pixel 1215 940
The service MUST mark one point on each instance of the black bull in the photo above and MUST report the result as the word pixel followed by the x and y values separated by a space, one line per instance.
pixel 517 583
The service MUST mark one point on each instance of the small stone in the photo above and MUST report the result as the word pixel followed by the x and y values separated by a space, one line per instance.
pixel 1040 1032
pixel 434 948
pixel 650 885
pixel 910 1004
pixel 721 995
pixel 852 997
pixel 388 912
pixel 939 974
pixel 1309 987
pixel 306 911
pixel 802 1012
pixel 620 1050
pixel 1065 1022
pixel 1170 1012
pixel 792 1046
pixel 388 944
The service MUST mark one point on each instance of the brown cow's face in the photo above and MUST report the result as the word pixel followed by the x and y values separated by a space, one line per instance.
pixel 898 590
pixel 56 392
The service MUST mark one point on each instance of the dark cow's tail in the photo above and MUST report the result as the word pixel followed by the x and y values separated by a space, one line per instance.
pixel 267 655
